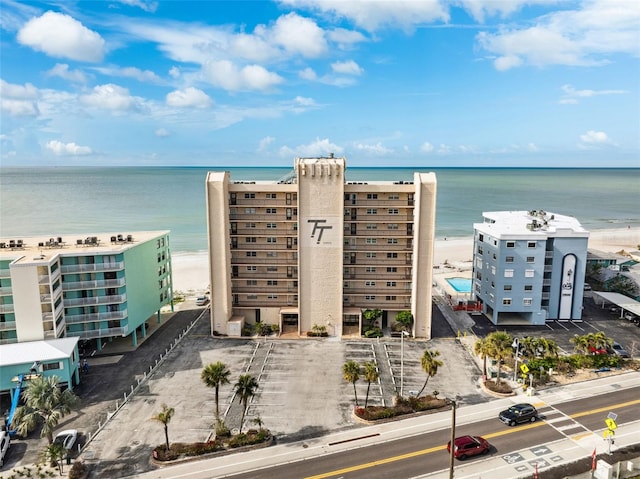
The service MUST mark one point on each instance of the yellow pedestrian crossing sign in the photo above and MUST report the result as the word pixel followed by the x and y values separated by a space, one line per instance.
pixel 611 424
pixel 608 433
pixel 524 368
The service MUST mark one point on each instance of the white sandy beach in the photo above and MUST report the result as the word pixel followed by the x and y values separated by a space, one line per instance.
pixel 191 270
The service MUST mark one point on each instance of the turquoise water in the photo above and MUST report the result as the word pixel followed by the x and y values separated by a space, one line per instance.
pixel 67 200
pixel 461 285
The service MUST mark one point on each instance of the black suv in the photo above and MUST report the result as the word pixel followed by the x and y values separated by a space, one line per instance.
pixel 519 413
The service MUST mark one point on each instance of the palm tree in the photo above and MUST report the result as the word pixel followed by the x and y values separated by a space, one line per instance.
pixel 371 374
pixel 44 401
pixel 580 343
pixel 351 373
pixel 215 375
pixel 164 418
pixel 245 388
pixel 430 366
pixel 55 454
pixel 500 348
pixel 481 348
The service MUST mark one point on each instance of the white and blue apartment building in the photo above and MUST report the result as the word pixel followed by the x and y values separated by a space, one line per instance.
pixel 529 266
pixel 85 287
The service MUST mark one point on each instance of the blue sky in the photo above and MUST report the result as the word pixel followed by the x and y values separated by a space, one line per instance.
pixel 385 83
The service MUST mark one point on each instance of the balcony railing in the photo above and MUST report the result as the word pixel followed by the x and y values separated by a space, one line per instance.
pixel 7 325
pixel 5 273
pixel 6 291
pixel 95 317
pixel 96 300
pixel 87 268
pixel 6 308
pixel 96 284
pixel 99 333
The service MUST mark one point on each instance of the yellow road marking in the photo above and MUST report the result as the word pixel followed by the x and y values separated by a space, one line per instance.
pixel 421 452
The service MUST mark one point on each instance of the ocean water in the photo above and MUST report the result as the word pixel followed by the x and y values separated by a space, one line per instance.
pixel 69 200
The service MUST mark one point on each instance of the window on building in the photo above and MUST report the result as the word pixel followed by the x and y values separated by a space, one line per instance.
pixel 394 196
pixel 252 268
pixel 493 270
pixel 390 298
pixel 392 269
pixel 391 284
pixel 369 283
pixel 272 211
pixel 369 297
pixel 249 211
pixel 272 239
pixel 508 273
pixel 250 226
pixel 372 196
pixel 527 301
pixel 393 211
pixel 271 226
pixel 507 287
pixel 272 282
pixel 392 240
pixel 272 269
pixel 370 269
pixel 252 282
pixel 392 255
pixel 508 259
pixel 272 254
pixel 51 366
pixel 531 259
pixel 250 239
pixel 480 250
pixel 252 296
pixel 271 196
pixel 506 301
pixel 272 296
pixel 528 287
pixel 372 240
pixel 372 226
pixel 370 255
pixel 250 195
pixel 252 253
pixel 480 237
pixel 392 226
pixel 531 244
pixel 372 211
pixel 529 273
pixel 511 244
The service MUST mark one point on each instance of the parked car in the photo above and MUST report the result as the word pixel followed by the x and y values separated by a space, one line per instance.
pixel 519 413
pixel 201 300
pixel 5 442
pixel 66 438
pixel 594 350
pixel 618 350
pixel 467 446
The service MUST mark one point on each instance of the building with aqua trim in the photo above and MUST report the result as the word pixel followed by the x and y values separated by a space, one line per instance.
pixel 91 287
pixel 529 266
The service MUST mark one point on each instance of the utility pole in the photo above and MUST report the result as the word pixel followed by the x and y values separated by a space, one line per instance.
pixel 516 345
pixel 453 437
pixel 404 333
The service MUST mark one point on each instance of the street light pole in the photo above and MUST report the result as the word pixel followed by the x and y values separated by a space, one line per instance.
pixel 516 345
pixel 453 437
pixel 404 333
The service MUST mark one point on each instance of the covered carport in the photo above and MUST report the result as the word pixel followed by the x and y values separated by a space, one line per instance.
pixel 625 303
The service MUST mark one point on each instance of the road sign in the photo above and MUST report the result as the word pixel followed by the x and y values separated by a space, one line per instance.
pixel 611 424
pixel 608 433
pixel 612 415
pixel 524 368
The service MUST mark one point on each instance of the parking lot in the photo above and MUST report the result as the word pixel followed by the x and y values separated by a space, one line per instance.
pixel 301 392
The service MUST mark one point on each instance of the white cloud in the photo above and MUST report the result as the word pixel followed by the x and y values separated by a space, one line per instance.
pixel 174 72
pixel 532 147
pixel 585 36
pixel 594 138
pixel 189 97
pixel 372 15
pixel 68 149
pixel 308 74
pixel 145 76
pixel 572 95
pixel 59 35
pixel 147 6
pixel 110 97
pixel 345 38
pixel 19 100
pixel 314 149
pixel 426 147
pixel 299 35
pixel 62 70
pixel 377 149
pixel 265 143
pixel 347 68
pixel 161 133
pixel 226 75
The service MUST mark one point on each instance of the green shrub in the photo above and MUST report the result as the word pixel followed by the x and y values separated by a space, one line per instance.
pixel 374 332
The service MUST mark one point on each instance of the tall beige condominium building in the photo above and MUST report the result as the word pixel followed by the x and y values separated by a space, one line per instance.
pixel 314 250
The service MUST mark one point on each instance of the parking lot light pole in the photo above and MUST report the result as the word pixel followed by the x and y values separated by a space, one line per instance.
pixel 404 333
pixel 453 437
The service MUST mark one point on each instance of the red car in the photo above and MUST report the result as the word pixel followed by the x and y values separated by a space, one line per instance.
pixel 467 446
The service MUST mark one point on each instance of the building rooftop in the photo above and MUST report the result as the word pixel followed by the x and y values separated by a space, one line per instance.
pixel 34 249
pixel 31 351
pixel 529 224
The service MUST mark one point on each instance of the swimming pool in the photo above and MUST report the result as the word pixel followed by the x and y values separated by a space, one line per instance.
pixel 461 285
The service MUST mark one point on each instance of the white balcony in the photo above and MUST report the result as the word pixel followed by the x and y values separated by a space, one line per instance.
pixel 6 291
pixel 95 317
pixel 96 284
pixel 6 308
pixel 87 268
pixel 7 325
pixel 99 333
pixel 95 300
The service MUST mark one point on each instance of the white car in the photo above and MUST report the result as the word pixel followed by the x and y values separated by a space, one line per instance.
pixel 66 438
pixel 5 442
pixel 201 300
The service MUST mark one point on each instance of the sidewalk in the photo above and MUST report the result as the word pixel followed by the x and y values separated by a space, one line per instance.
pixel 512 466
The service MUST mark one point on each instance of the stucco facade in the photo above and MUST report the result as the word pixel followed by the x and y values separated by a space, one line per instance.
pixel 313 249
